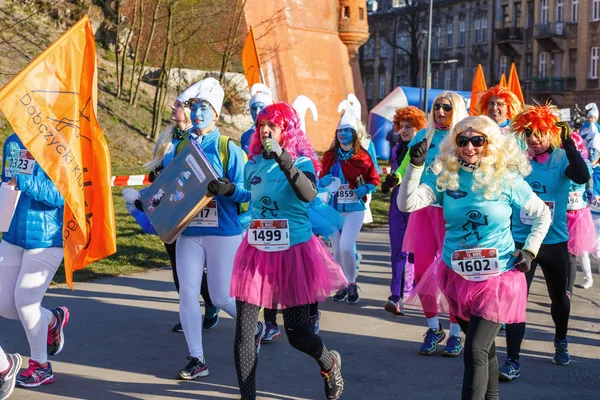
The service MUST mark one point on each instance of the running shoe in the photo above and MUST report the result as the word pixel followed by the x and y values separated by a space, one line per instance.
pixel 503 327
pixel 8 378
pixel 315 322
pixel 271 332
pixel 454 347
pixel 194 369
pixel 177 328
pixel 561 352
pixel 432 338
pixel 35 375
pixel 588 282
pixel 334 383
pixel 353 296
pixel 211 317
pixel 56 334
pixel 341 295
pixel 395 307
pixel 510 370
pixel 260 331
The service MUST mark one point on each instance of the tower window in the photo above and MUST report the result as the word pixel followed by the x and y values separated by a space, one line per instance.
pixel 346 12
pixel 361 13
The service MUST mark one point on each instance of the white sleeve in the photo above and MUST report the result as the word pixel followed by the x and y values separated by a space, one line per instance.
pixel 412 196
pixel 542 218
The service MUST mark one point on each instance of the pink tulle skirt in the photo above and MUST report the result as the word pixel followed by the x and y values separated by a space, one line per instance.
pixel 501 299
pixel 427 224
pixel 582 234
pixel 303 274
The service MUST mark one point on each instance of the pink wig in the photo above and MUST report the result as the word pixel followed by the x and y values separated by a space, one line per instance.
pixel 293 140
pixel 580 145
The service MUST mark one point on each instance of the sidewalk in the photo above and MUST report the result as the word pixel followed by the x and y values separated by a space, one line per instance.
pixel 119 345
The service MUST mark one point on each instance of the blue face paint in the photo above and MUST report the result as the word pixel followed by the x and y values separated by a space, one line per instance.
pixel 345 136
pixel 255 109
pixel 202 111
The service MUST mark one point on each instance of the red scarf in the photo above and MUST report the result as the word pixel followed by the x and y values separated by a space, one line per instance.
pixel 357 165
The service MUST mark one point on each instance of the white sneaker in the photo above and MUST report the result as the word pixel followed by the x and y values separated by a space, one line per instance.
pixel 588 282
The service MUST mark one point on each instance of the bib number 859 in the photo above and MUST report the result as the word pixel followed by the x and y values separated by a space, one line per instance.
pixel 266 235
pixel 474 265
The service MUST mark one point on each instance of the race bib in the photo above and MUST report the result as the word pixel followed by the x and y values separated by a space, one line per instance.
pixel 575 201
pixel 595 204
pixel 476 264
pixel 346 195
pixel 207 217
pixel 22 164
pixel 527 220
pixel 269 235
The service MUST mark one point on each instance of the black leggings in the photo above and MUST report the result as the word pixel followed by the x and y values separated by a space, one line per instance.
pixel 297 327
pixel 554 261
pixel 203 289
pixel 271 314
pixel 480 379
pixel 572 272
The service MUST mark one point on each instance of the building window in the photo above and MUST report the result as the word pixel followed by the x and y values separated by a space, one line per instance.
pixel 447 78
pixel 517 15
pixel 477 30
pixel 449 38
pixel 460 78
pixel 544 12
pixel 560 10
pixel 461 38
pixel 436 80
pixel 574 10
pixel 505 16
pixel 573 63
pixel 361 13
pixel 346 12
pixel 369 49
pixel 543 65
pixel 596 10
pixel 530 12
pixel 528 65
pixel 383 47
pixel 594 63
pixel 369 88
pixel 398 79
pixel 502 64
pixel 484 30
pixel 402 42
pixel 381 86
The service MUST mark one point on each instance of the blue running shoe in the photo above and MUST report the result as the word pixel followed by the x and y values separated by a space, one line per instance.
pixel 211 317
pixel 561 352
pixel 432 338
pixel 510 370
pixel 271 332
pixel 341 295
pixel 454 347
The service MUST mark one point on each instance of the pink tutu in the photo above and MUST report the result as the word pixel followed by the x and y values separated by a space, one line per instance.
pixel 582 234
pixel 426 224
pixel 501 299
pixel 303 274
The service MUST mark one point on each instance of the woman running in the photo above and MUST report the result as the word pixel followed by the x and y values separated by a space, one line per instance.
pixel 30 254
pixel 477 178
pixel 347 161
pixel 553 169
pixel 407 122
pixel 281 263
pixel 426 228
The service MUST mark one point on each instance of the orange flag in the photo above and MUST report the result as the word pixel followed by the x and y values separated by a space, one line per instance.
pixel 514 85
pixel 479 86
pixel 251 60
pixel 502 82
pixel 51 105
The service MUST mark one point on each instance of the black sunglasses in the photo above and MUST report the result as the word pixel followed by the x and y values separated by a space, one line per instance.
pixel 476 141
pixel 528 133
pixel 446 107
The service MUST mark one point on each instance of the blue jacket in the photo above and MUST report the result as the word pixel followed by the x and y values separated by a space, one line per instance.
pixel 38 219
pixel 229 224
pixel 245 139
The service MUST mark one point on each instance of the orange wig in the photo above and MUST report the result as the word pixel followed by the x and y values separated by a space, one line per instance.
pixel 412 115
pixel 512 101
pixel 539 120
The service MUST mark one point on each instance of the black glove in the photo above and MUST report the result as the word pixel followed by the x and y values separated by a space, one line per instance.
pixel 138 205
pixel 391 180
pixel 221 187
pixel 385 189
pixel 418 152
pixel 154 174
pixel 565 130
pixel 523 260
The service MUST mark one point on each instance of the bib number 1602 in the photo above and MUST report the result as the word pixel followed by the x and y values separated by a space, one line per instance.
pixel 474 265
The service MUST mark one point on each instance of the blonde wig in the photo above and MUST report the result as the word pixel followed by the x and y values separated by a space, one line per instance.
pixel 165 142
pixel 501 159
pixel 459 110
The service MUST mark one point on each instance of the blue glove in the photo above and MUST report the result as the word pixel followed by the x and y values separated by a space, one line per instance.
pixel 589 195
pixel 326 180
pixel 361 191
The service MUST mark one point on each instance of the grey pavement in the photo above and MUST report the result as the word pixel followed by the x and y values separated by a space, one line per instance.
pixel 119 345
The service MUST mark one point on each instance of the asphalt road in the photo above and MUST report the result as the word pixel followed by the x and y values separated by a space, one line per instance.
pixel 119 345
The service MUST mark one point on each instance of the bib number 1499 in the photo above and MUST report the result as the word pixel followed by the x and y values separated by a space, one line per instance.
pixel 266 235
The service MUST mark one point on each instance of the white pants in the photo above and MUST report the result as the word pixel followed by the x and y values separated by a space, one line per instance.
pixel 193 253
pixel 343 243
pixel 25 275
pixel 4 364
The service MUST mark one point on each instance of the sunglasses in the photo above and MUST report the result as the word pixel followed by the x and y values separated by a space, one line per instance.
pixel 528 133
pixel 446 107
pixel 476 141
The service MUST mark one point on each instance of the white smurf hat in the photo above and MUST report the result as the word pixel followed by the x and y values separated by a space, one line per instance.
pixel 207 89
pixel 348 119
pixel 302 104
pixel 353 100
pixel 592 110
pixel 260 93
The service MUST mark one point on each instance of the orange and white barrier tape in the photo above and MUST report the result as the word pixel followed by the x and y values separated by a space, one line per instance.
pixel 129 180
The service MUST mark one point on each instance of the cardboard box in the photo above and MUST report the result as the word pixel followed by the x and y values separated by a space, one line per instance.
pixel 179 193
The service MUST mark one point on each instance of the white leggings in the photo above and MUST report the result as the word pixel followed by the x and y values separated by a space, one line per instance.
pixel 25 275
pixel 343 243
pixel 4 364
pixel 193 254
